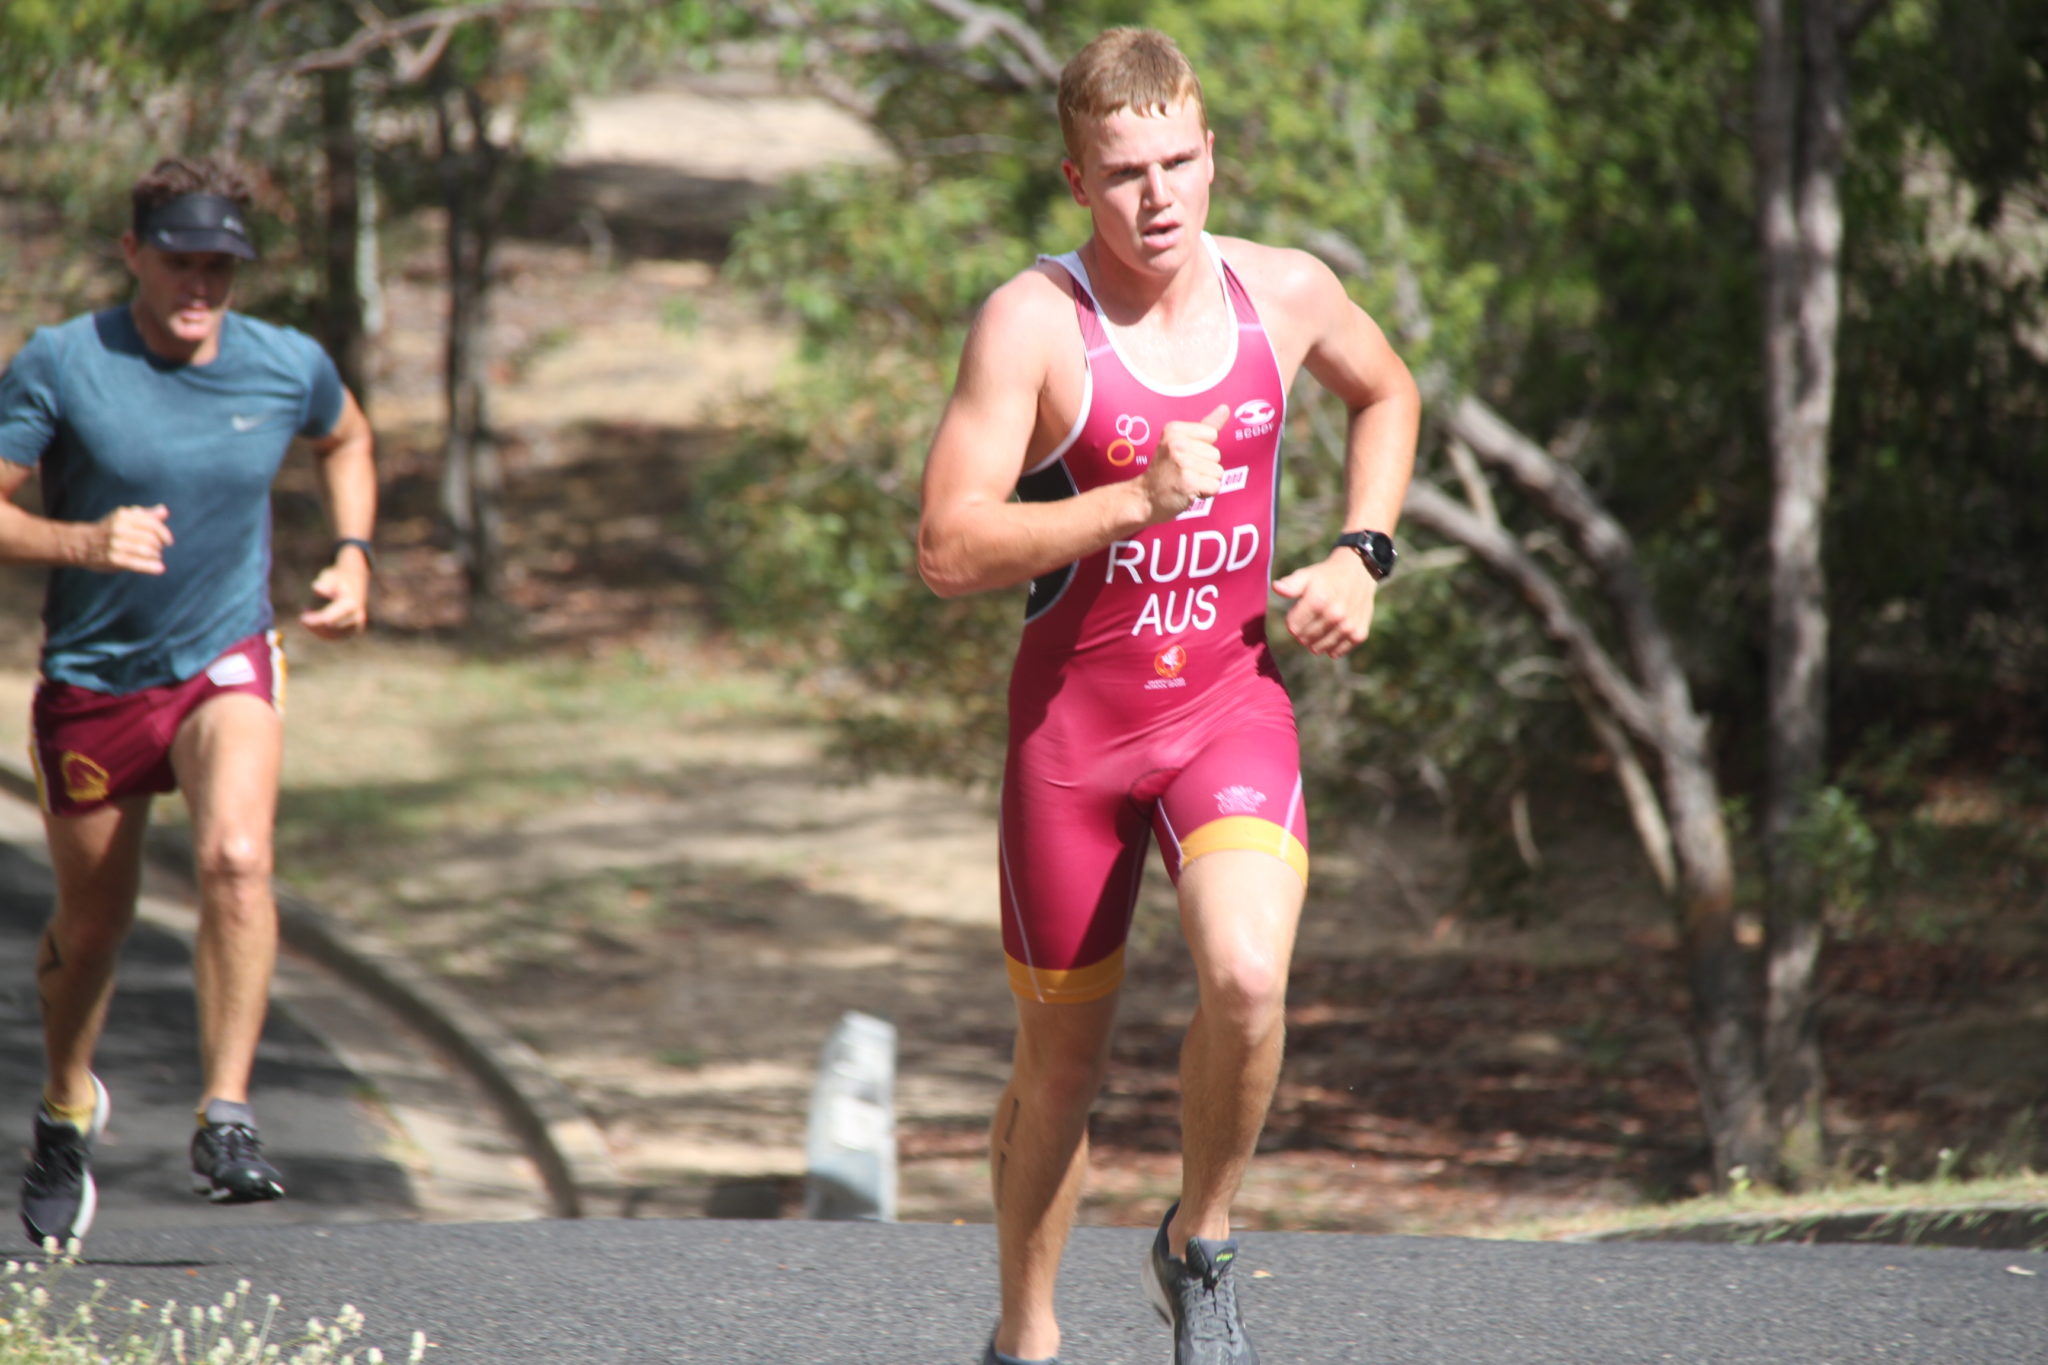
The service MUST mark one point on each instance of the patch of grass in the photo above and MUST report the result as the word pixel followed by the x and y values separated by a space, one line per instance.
pixel 43 1324
pixel 394 744
pixel 2026 1188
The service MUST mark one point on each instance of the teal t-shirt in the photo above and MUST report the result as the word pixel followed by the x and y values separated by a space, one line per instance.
pixel 112 424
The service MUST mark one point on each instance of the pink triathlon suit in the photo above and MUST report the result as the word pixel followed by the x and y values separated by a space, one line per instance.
pixel 1144 694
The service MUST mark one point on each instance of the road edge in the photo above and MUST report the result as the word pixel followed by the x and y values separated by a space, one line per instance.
pixel 564 1144
pixel 2005 1225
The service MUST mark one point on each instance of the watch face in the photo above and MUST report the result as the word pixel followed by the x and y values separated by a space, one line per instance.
pixel 1376 548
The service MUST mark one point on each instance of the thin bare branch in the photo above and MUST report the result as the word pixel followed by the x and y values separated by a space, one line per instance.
pixel 436 23
pixel 1473 479
pixel 979 22
pixel 1600 540
pixel 1645 810
pixel 1434 510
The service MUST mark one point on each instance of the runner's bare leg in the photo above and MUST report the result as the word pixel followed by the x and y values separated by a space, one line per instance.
pixel 1239 912
pixel 97 859
pixel 1038 1155
pixel 227 756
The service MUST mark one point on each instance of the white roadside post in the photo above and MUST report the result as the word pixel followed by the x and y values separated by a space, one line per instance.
pixel 850 1149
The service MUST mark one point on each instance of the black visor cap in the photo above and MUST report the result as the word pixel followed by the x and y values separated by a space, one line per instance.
pixel 196 222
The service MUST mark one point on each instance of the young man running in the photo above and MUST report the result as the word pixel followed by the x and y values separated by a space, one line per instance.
pixel 159 427
pixel 1131 394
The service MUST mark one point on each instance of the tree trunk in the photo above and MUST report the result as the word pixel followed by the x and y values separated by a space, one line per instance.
pixel 1727 1060
pixel 472 481
pixel 342 327
pixel 1655 708
pixel 1802 109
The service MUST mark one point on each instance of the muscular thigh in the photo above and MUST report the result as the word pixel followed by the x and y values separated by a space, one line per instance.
pixel 1072 853
pixel 227 755
pixel 1077 809
pixel 1240 791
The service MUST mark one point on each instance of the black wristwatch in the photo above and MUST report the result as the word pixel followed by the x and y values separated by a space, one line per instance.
pixel 1376 548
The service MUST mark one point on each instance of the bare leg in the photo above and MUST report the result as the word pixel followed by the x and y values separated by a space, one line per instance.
pixel 1239 911
pixel 97 858
pixel 1038 1154
pixel 227 755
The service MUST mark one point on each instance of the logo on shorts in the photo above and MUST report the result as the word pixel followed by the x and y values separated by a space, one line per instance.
pixel 84 780
pixel 231 670
pixel 1239 801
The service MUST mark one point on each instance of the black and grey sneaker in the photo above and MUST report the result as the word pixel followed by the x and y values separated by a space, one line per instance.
pixel 227 1157
pixel 994 1357
pixel 1197 1296
pixel 58 1198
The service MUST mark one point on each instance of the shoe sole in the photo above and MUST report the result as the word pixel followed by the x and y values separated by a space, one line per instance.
pixel 1155 1294
pixel 205 1188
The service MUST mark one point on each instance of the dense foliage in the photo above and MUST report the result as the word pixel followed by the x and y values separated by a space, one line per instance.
pixel 1571 189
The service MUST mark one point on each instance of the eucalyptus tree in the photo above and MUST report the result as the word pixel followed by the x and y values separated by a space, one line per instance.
pixel 471 90
pixel 478 89
pixel 1560 208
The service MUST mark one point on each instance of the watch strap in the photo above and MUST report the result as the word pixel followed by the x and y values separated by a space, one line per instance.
pixel 369 555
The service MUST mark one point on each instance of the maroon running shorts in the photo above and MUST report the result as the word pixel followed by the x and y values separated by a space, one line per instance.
pixel 91 748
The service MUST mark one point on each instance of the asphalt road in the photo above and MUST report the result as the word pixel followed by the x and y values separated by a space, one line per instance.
pixel 791 1293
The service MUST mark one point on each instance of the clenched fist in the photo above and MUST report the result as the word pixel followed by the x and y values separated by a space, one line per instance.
pixel 1185 466
pixel 129 540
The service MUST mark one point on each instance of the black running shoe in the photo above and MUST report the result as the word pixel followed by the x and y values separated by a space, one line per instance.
pixel 58 1198
pixel 1198 1298
pixel 994 1357
pixel 227 1157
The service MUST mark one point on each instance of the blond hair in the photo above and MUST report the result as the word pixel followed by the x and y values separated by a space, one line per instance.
pixel 1139 69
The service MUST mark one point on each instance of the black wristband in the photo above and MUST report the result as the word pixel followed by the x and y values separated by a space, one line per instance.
pixel 369 555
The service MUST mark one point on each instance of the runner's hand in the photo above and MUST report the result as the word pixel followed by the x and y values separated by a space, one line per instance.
pixel 1185 466
pixel 129 540
pixel 346 586
pixel 1332 611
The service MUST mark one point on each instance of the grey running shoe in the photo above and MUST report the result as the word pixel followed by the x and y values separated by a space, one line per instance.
pixel 1197 1296
pixel 58 1198
pixel 227 1157
pixel 994 1357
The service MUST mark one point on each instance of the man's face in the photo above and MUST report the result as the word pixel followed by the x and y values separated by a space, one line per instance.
pixel 1144 179
pixel 182 295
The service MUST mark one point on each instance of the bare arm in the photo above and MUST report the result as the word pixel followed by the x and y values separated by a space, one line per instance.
pixel 347 469
pixel 971 536
pixel 1349 355
pixel 125 540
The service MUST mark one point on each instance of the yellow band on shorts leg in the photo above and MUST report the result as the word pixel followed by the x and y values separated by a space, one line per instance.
pixel 1250 833
pixel 1073 986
